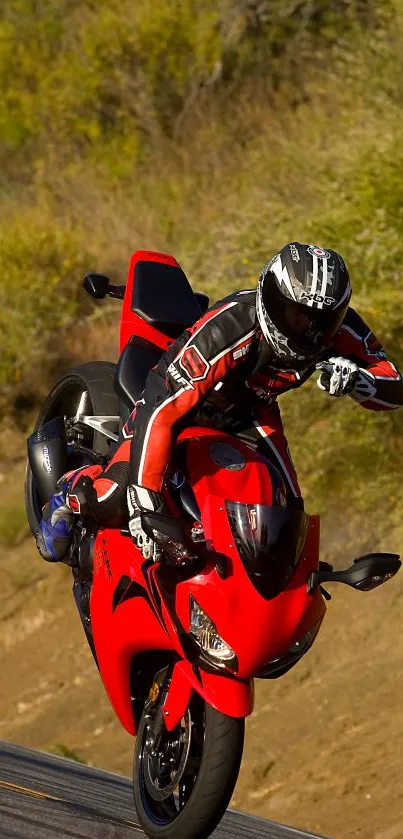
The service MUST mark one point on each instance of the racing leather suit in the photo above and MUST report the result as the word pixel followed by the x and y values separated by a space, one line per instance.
pixel 222 373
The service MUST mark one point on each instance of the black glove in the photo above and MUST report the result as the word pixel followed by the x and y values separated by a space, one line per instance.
pixel 83 499
pixel 339 376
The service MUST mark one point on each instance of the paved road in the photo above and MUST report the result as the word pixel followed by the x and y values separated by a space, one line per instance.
pixel 46 797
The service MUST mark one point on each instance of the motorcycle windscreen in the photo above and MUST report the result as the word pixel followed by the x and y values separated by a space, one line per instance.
pixel 269 541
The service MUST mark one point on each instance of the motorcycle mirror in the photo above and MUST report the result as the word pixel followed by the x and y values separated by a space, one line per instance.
pixel 97 285
pixel 368 572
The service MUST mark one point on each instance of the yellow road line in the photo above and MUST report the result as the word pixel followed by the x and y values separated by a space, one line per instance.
pixel 36 794
pixel 25 791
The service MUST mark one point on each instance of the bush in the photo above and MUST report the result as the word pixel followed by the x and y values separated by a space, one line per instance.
pixel 107 77
pixel 41 265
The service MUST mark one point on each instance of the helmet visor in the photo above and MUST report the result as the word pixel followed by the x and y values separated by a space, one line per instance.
pixel 308 330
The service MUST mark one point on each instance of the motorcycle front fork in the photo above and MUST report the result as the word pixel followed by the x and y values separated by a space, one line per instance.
pixel 153 710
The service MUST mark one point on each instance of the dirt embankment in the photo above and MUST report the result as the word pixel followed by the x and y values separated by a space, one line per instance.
pixel 323 746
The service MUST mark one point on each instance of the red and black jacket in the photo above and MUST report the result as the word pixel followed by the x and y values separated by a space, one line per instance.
pixel 222 364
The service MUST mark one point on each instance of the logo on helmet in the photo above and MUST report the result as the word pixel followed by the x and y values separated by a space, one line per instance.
pixel 320 252
pixel 317 298
pixel 294 253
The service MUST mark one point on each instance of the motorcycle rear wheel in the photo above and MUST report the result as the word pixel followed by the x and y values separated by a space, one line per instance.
pixel 184 791
pixel 96 379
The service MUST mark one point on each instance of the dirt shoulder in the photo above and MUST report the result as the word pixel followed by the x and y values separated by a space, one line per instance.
pixel 323 746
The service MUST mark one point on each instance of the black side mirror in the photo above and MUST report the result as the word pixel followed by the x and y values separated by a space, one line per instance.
pixel 368 572
pixel 97 285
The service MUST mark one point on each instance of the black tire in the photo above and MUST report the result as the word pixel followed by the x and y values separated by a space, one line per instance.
pixel 210 789
pixel 97 379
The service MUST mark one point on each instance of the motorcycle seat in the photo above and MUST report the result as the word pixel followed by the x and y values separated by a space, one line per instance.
pixel 135 362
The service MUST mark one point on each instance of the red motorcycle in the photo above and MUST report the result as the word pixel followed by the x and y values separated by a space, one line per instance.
pixel 226 589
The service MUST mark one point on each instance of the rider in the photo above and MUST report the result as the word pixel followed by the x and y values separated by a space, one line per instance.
pixel 227 371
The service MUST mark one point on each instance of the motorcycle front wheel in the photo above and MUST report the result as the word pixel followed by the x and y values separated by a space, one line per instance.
pixel 182 790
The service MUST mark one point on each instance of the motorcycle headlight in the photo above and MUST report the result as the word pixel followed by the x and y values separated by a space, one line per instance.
pixel 205 633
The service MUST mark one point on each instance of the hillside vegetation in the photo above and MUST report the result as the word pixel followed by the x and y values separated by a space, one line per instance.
pixel 217 131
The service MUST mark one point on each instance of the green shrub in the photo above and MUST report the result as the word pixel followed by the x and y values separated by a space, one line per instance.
pixel 41 265
pixel 88 76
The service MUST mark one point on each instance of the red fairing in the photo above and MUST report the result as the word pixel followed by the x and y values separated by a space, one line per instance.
pixel 138 606
pixel 238 610
pixel 132 324
pixel 258 630
pixel 232 697
pixel 122 630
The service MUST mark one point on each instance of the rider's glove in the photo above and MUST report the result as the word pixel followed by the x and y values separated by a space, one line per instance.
pixel 82 499
pixel 339 376
pixel 141 500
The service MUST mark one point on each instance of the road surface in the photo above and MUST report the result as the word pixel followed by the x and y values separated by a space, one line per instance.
pixel 47 797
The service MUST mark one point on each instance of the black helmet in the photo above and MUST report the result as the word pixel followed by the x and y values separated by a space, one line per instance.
pixel 302 298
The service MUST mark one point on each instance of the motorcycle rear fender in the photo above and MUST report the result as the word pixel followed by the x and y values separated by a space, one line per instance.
pixel 232 697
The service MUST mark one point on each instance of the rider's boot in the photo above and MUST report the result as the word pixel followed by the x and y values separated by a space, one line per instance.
pixel 75 495
pixel 47 454
pixel 54 537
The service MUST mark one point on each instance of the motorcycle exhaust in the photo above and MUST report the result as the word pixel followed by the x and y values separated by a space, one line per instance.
pixel 47 455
